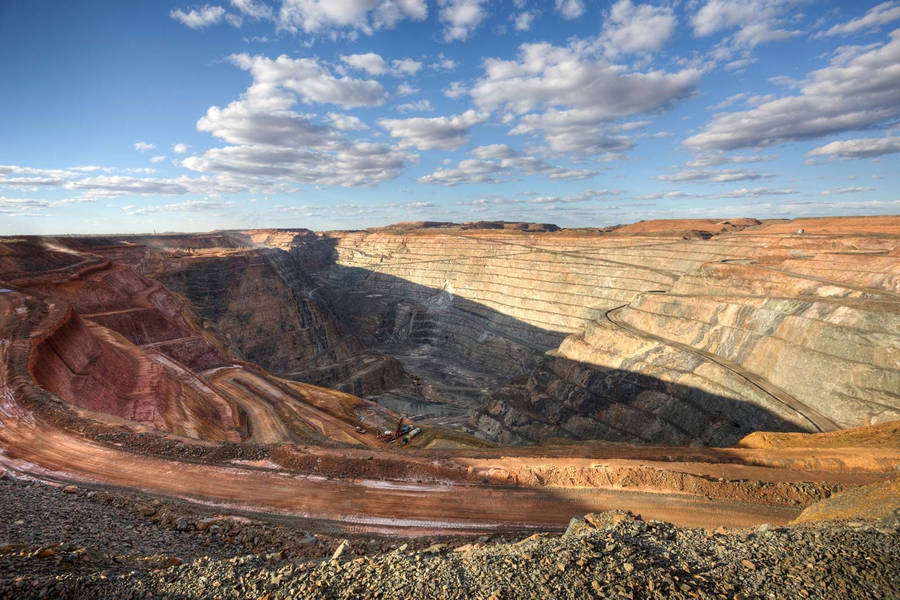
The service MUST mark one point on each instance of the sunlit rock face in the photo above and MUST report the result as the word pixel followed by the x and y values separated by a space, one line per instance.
pixel 694 332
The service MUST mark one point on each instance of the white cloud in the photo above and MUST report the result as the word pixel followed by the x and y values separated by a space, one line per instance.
pixel 438 133
pixel 417 106
pixel 312 16
pixel 728 101
pixel 553 76
pixel 180 148
pixel 370 62
pixel 582 131
pixel 498 162
pixel 22 207
pixel 143 146
pixel 375 64
pixel 273 142
pixel 351 164
pixel 406 66
pixel 461 17
pixel 443 63
pixel 858 148
pixel 121 185
pixel 757 21
pixel 310 80
pixel 864 93
pixel 523 21
pixel 722 176
pixel 263 116
pixel 346 122
pixel 845 190
pixel 642 28
pixel 124 182
pixel 570 9
pixel 881 14
pixel 253 9
pixel 714 159
pixel 198 18
pixel 456 90
pixel 585 196
pixel 187 206
pixel 31 183
pixel 158 159
pixel 756 193
pixel 581 96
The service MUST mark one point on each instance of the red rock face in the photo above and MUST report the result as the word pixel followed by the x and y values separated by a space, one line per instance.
pixel 126 348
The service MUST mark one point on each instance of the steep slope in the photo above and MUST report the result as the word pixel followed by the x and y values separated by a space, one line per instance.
pixel 654 337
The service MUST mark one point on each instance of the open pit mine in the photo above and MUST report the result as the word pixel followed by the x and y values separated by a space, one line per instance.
pixel 668 409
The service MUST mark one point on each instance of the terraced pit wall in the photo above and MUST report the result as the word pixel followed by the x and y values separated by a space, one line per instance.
pixel 636 338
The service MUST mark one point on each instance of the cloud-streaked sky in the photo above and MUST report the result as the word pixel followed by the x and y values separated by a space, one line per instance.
pixel 133 117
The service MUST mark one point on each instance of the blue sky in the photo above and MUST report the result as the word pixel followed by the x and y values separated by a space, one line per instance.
pixel 326 114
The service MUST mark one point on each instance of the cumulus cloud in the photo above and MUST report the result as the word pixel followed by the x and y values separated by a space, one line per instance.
pixel 126 182
pixel 756 21
pixel 886 12
pixel 352 164
pixel 253 9
pixel 313 16
pixel 863 93
pixel 198 18
pixel 461 17
pixel 642 28
pixel 143 146
pixel 346 122
pixel 180 148
pixel 158 159
pixel 858 148
pixel 375 64
pixel 310 80
pixel 580 94
pixel 498 162
pixel 456 90
pixel 570 9
pixel 582 131
pixel 272 141
pixel 443 63
pixel 721 176
pixel 417 106
pixel 547 75
pixel 406 66
pixel 523 21
pixel 370 62
pixel 438 133
pixel 121 185
pixel 263 116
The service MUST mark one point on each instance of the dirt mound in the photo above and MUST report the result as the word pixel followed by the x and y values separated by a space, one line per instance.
pixel 883 435
pixel 875 501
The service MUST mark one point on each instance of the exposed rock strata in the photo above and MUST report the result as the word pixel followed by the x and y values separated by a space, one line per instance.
pixel 654 338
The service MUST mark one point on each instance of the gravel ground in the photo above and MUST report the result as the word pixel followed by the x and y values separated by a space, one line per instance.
pixel 58 542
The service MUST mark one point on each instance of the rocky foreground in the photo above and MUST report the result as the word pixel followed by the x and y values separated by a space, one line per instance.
pixel 66 542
